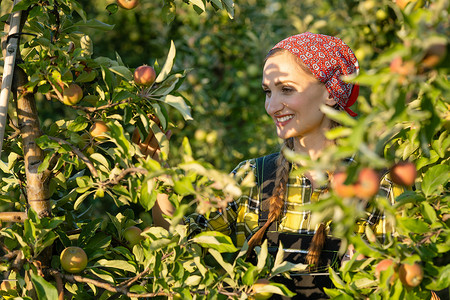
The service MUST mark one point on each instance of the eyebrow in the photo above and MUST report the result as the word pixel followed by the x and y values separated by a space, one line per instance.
pixel 280 82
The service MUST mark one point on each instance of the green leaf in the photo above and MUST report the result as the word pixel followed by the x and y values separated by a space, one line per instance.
pixel 183 186
pixel 336 279
pixel 168 64
pixel 413 225
pixel 148 194
pixel 250 275
pixel 262 256
pixel 429 212
pixel 199 4
pixel 215 240
pixel 122 71
pixel 44 289
pixel 117 134
pixel 80 123
pixel 229 5
pixel 274 288
pixel 435 178
pixel 80 199
pixel 226 266
pixel 93 23
pixel 88 231
pixel 117 264
pixel 86 76
pixel 161 138
pixel 179 103
pixel 339 116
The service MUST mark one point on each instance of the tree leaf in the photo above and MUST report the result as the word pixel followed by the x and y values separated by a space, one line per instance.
pixel 413 225
pixel 122 71
pixel 179 103
pixel 215 240
pixel 434 178
pixel 117 264
pixel 199 4
pixel 44 289
pixel 226 266
pixel 168 64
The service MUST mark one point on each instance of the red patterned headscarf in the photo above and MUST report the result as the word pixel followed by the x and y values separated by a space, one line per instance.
pixel 328 58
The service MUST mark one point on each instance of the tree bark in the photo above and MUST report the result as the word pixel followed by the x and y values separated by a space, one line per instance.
pixel 37 183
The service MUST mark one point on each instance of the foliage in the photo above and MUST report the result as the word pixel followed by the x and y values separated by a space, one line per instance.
pixel 98 187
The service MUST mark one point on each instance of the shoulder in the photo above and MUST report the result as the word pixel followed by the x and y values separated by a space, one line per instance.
pixel 253 164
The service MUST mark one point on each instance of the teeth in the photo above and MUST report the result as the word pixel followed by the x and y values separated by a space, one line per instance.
pixel 284 119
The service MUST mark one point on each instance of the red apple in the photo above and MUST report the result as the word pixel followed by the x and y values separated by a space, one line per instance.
pixel 127 4
pixel 410 275
pixel 98 130
pixel 340 187
pixel 383 265
pixel 144 75
pixel 368 183
pixel 404 173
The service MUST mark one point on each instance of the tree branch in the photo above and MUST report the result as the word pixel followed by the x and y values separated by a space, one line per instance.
pixel 13 216
pixel 78 153
pixel 104 285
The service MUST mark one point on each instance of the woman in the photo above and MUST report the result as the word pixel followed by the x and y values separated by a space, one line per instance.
pixel 301 73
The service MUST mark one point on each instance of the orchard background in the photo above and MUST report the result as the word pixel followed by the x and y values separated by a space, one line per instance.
pixel 61 185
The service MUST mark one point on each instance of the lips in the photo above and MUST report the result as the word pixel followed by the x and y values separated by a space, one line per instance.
pixel 284 119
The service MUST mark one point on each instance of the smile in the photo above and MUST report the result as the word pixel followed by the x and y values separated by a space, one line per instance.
pixel 284 118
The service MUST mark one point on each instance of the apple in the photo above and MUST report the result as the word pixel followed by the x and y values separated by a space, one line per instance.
pixel 368 183
pixel 260 283
pixel 127 4
pixel 410 275
pixel 133 235
pixel 342 189
pixel 404 173
pixel 383 265
pixel 73 259
pixel 72 94
pixel 144 75
pixel 98 130
pixel 403 3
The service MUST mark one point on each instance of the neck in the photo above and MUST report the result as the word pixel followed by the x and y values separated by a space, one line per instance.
pixel 312 144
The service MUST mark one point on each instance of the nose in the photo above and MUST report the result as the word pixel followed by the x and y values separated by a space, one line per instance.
pixel 273 104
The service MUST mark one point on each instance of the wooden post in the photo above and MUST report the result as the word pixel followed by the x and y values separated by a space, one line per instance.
pixel 8 71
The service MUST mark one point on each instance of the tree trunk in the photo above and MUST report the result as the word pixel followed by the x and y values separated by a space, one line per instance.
pixel 37 183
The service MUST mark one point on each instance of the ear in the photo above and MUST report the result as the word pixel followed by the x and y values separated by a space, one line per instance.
pixel 330 100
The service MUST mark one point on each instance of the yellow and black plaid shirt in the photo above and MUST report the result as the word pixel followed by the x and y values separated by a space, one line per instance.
pixel 240 219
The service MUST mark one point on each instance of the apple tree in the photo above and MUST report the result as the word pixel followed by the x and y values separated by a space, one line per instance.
pixel 77 193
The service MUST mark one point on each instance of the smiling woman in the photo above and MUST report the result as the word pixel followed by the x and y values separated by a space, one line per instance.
pixel 301 74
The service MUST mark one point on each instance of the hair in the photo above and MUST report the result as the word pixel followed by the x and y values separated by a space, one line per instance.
pixel 278 194
pixel 281 180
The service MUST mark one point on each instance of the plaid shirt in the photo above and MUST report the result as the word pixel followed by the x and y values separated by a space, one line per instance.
pixel 240 219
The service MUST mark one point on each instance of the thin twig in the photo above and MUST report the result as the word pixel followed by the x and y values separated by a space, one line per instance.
pixel 94 109
pixel 124 173
pixel 132 280
pixel 104 285
pixel 78 153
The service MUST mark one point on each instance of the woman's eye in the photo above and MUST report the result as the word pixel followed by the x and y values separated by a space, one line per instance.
pixel 286 89
pixel 267 92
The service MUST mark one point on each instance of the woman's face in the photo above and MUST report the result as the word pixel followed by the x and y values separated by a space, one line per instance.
pixel 294 97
